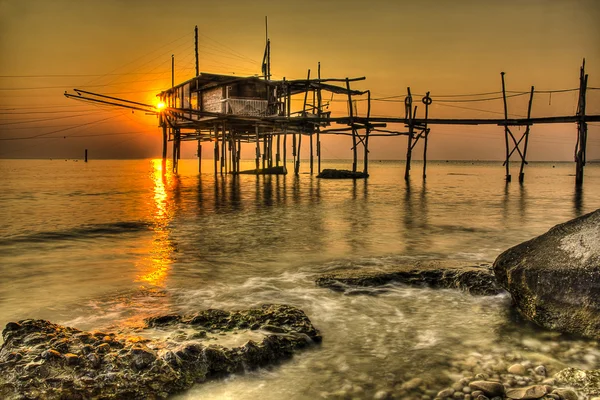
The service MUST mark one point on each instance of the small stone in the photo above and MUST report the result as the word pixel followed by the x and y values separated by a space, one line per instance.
pixel 382 395
pixel 517 369
pixel 458 395
pixel 566 394
pixel 476 393
pixel 466 390
pixel 445 393
pixel 525 393
pixel 51 354
pixel 482 397
pixel 489 388
pixel 103 348
pixel 540 370
pixel 72 359
pixel 412 384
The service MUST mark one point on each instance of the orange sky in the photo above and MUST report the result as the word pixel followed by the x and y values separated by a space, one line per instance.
pixel 445 47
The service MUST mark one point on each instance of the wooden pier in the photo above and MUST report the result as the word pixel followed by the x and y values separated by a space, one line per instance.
pixel 230 111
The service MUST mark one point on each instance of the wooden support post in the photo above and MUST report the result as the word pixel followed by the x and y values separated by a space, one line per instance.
pixel 216 155
pixel 271 150
pixel 199 156
pixel 284 161
pixel 278 155
pixel 351 114
pixel 257 149
pixel 223 149
pixel 85 159
pixel 367 131
pixel 176 148
pixel 319 112
pixel 298 153
pixel 427 101
pixel 411 129
pixel 239 154
pixel 196 51
pixel 580 147
pixel 264 154
pixel 506 129
pixel 233 157
pixel 164 144
pixel 311 152
pixel 527 129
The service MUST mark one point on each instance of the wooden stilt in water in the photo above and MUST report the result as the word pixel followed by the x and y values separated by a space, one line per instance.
pixel 411 132
pixel 580 147
pixel 284 161
pixel 238 154
pixel 85 158
pixel 298 153
pixel 351 114
pixel 216 155
pixel 427 101
pixel 367 131
pixel 278 154
pixel 257 159
pixel 506 129
pixel 264 154
pixel 319 112
pixel 164 144
pixel 199 156
pixel 526 134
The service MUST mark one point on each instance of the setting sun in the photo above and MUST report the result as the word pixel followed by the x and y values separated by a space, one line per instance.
pixel 160 105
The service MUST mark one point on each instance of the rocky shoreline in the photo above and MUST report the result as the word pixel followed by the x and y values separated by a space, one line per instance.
pixel 42 360
pixel 474 279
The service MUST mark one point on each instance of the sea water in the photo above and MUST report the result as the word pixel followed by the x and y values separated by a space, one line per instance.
pixel 105 244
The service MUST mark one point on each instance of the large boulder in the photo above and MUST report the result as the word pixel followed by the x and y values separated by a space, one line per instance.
pixel 554 279
pixel 473 279
pixel 39 359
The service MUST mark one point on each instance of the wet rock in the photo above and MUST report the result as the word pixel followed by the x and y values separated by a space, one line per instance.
pixel 474 279
pixel 114 367
pixel 517 369
pixel 527 393
pixel 341 174
pixel 554 278
pixel 566 394
pixel 445 393
pixel 489 388
pixel 586 382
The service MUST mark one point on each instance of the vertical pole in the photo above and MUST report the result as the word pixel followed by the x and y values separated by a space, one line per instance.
pixel 172 72
pixel 85 155
pixel 580 148
pixel 523 160
pixel 224 148
pixel 264 154
pixel 351 114
pixel 164 146
pixel 319 105
pixel 411 128
pixel 298 153
pixel 216 155
pixel 271 150
pixel 238 154
pixel 196 51
pixel 506 129
pixel 367 131
pixel 278 155
pixel 257 149
pixel 427 101
pixel 199 156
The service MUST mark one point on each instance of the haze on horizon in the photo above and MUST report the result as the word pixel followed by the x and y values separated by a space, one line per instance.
pixel 123 48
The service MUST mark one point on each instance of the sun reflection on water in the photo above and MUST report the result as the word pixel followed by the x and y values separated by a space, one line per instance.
pixel 155 267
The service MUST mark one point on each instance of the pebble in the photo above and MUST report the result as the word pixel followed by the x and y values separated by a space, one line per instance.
pixel 445 393
pixel 525 393
pixel 540 370
pixel 489 388
pixel 566 394
pixel 517 369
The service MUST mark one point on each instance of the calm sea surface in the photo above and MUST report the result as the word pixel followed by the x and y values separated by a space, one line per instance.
pixel 104 244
